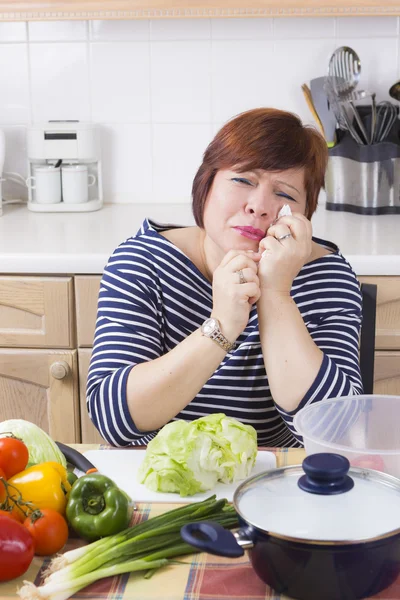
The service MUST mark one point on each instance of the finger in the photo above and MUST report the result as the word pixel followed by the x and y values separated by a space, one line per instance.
pixel 242 261
pixel 280 231
pixel 256 298
pixel 248 290
pixel 232 254
pixel 248 274
pixel 299 225
pixel 269 244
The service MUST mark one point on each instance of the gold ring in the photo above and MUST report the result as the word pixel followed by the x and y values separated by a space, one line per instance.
pixel 242 278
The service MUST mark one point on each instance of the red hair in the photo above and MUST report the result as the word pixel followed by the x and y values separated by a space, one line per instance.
pixel 268 139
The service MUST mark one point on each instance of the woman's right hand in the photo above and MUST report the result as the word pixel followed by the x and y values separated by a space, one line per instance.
pixel 232 300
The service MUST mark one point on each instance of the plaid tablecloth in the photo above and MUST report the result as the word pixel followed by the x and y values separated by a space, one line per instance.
pixel 202 577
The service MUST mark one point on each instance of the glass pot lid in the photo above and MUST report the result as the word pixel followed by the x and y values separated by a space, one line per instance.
pixel 324 500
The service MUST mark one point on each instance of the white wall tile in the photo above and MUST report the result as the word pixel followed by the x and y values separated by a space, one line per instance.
pixel 295 64
pixel 13 32
pixel 366 27
pixel 180 82
pixel 304 27
pixel 120 82
pixel 379 70
pixel 180 29
pixel 177 154
pixel 126 163
pixel 14 86
pixel 57 31
pixel 15 160
pixel 241 77
pixel 119 31
pixel 60 83
pixel 241 29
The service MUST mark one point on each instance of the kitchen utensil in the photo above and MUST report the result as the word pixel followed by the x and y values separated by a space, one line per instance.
pixel 320 531
pixel 326 115
pixel 310 104
pixel 394 91
pixel 122 466
pixel 386 118
pixel 364 428
pixel 344 72
pixel 76 459
pixel 45 184
pixel 75 183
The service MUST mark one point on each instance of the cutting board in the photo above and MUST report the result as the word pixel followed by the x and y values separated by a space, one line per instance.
pixel 122 467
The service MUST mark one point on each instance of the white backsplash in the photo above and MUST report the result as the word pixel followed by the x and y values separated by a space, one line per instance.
pixel 160 89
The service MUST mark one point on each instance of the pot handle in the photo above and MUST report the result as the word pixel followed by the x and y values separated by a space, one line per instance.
pixel 211 537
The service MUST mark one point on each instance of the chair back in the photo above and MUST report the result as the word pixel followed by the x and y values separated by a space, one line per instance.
pixel 367 341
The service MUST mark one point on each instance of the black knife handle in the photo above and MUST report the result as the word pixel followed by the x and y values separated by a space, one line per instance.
pixel 75 458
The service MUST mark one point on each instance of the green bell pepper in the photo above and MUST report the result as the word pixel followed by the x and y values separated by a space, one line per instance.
pixel 97 507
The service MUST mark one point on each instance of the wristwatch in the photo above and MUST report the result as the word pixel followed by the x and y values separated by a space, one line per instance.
pixel 211 329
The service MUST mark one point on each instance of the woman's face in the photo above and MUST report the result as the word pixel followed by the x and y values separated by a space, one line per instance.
pixel 241 206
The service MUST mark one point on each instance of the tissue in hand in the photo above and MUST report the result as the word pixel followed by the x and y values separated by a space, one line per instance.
pixel 284 212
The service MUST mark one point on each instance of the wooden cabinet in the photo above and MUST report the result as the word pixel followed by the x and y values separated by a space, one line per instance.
pixel 89 433
pixel 387 373
pixel 41 386
pixel 36 312
pixel 86 294
pixel 387 311
pixel 31 10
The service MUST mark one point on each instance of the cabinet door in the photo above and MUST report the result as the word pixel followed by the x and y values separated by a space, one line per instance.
pixel 387 373
pixel 89 433
pixel 86 294
pixel 36 312
pixel 41 386
pixel 387 312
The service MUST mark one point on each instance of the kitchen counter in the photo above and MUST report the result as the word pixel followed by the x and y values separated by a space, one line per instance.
pixel 63 243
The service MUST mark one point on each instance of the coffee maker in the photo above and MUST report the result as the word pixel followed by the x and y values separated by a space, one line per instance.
pixel 56 143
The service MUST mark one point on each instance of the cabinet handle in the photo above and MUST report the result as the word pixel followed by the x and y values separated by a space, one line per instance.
pixel 60 369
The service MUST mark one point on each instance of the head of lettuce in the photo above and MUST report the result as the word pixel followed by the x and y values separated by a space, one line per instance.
pixel 191 457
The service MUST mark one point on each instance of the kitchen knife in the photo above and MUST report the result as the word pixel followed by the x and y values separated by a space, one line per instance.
pixel 76 459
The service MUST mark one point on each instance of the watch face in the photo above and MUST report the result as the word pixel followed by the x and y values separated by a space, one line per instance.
pixel 209 326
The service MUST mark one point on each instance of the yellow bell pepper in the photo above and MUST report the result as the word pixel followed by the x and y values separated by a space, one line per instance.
pixel 44 485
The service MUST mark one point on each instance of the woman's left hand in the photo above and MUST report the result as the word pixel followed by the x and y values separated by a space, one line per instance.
pixel 287 246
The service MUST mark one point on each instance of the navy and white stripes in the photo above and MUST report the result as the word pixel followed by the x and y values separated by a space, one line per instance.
pixel 152 297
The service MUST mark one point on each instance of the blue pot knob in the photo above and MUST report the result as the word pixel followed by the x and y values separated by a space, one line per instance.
pixel 326 474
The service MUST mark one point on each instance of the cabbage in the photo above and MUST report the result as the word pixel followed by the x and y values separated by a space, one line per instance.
pixel 40 445
pixel 191 457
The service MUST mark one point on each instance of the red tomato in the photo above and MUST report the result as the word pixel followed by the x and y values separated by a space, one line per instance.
pixel 16 549
pixel 49 530
pixel 9 514
pixel 14 456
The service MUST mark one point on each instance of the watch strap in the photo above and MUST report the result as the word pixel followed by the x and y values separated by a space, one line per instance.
pixel 219 337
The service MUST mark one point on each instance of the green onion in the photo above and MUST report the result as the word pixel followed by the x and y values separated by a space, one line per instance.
pixel 146 546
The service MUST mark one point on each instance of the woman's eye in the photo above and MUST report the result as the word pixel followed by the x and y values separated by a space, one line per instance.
pixel 282 195
pixel 242 180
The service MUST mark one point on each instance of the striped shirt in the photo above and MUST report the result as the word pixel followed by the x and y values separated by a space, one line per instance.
pixel 152 297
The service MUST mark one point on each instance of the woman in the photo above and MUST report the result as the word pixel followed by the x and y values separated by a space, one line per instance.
pixel 244 314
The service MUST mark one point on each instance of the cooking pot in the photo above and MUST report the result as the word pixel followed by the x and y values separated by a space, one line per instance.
pixel 316 530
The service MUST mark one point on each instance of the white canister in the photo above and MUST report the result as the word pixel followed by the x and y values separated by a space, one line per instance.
pixel 46 183
pixel 75 183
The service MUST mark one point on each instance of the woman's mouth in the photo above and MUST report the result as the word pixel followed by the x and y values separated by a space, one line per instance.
pixel 251 233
